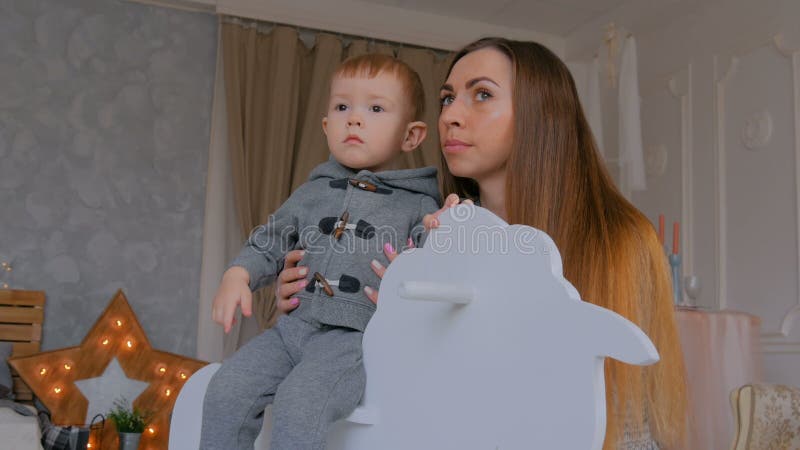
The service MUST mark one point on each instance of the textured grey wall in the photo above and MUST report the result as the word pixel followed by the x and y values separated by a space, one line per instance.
pixel 104 123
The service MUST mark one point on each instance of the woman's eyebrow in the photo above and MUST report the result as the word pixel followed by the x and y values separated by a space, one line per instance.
pixel 470 83
pixel 475 81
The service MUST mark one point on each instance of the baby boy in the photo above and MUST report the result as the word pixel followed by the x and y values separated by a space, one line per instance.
pixel 309 365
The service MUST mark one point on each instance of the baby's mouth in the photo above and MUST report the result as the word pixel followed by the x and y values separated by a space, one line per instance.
pixel 353 139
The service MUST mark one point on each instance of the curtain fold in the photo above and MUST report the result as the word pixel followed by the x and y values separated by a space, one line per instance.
pixel 262 85
pixel 276 91
pixel 311 147
pixel 215 221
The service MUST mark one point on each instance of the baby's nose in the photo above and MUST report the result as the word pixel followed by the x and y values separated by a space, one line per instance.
pixel 355 121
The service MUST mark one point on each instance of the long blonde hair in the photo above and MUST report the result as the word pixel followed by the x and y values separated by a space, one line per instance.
pixel 557 182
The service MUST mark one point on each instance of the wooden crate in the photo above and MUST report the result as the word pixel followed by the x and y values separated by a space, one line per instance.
pixel 21 317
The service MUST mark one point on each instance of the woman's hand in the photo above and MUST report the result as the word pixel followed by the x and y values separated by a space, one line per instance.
pixel 233 291
pixel 290 281
pixel 380 269
pixel 431 221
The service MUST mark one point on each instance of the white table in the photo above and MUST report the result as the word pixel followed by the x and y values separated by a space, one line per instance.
pixel 722 352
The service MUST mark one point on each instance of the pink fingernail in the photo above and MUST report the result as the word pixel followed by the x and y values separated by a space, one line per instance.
pixel 368 290
pixel 410 242
pixel 388 247
pixel 303 283
pixel 294 301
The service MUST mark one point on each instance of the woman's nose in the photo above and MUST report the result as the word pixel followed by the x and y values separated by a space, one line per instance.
pixel 451 115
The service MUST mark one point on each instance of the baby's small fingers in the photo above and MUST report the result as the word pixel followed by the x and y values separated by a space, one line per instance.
pixel 218 312
pixel 227 321
pixel 246 303
pixel 468 202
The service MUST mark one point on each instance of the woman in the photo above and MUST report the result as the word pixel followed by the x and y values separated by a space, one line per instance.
pixel 514 136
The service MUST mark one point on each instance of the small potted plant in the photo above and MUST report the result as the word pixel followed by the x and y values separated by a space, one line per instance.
pixel 130 423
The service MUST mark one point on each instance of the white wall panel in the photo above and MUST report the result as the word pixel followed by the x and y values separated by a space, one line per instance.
pixel 759 205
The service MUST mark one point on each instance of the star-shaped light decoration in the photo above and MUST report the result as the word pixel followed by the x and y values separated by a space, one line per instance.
pixel 110 388
pixel 57 377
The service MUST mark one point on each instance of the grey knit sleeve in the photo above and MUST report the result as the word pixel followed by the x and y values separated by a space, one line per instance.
pixel 263 253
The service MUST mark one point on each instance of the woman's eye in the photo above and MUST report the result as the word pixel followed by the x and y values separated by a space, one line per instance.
pixel 340 107
pixel 482 95
pixel 446 100
pixel 376 108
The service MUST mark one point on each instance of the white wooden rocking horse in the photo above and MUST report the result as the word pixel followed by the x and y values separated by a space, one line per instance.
pixel 478 343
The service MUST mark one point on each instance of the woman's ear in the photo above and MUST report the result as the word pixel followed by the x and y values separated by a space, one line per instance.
pixel 415 134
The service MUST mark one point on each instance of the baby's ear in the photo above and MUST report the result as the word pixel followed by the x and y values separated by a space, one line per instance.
pixel 325 125
pixel 415 134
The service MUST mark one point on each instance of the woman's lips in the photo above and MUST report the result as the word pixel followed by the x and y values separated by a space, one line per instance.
pixel 455 146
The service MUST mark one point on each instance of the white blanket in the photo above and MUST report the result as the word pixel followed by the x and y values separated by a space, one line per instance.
pixel 19 432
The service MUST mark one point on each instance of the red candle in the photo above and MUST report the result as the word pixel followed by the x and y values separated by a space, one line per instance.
pixel 661 229
pixel 675 234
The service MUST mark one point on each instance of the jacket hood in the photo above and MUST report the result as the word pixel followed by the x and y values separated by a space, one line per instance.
pixel 422 180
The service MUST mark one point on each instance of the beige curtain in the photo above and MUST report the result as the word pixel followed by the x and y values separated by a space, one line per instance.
pixel 276 94
pixel 222 238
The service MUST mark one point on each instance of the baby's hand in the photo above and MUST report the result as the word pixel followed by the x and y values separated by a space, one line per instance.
pixel 233 290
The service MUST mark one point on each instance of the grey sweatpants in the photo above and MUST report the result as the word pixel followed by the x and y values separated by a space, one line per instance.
pixel 312 374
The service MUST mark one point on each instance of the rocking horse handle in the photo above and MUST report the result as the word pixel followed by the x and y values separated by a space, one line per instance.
pixel 364 415
pixel 436 292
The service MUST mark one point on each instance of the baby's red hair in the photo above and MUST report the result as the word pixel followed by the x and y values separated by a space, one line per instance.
pixel 373 64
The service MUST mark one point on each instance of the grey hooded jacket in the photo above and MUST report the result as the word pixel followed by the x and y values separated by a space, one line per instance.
pixel 377 208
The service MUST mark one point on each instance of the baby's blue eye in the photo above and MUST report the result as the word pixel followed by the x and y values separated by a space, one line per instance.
pixel 340 107
pixel 446 100
pixel 376 108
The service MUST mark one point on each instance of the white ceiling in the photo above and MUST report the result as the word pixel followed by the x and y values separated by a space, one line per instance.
pixel 571 28
pixel 558 17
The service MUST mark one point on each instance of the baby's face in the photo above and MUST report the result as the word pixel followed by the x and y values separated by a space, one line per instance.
pixel 366 120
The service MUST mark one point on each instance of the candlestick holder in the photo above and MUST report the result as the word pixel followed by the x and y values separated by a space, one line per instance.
pixel 675 264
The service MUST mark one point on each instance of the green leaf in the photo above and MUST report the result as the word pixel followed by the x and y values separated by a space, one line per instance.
pixel 127 419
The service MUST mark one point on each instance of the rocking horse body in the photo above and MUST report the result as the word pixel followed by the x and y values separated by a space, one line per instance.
pixel 479 342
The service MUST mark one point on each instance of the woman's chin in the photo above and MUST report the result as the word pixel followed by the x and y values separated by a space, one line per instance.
pixel 460 170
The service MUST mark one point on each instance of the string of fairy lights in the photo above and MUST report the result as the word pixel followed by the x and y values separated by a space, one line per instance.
pixel 128 343
pixel 5 270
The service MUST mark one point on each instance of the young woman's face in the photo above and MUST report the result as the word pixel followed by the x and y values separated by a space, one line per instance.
pixel 476 124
